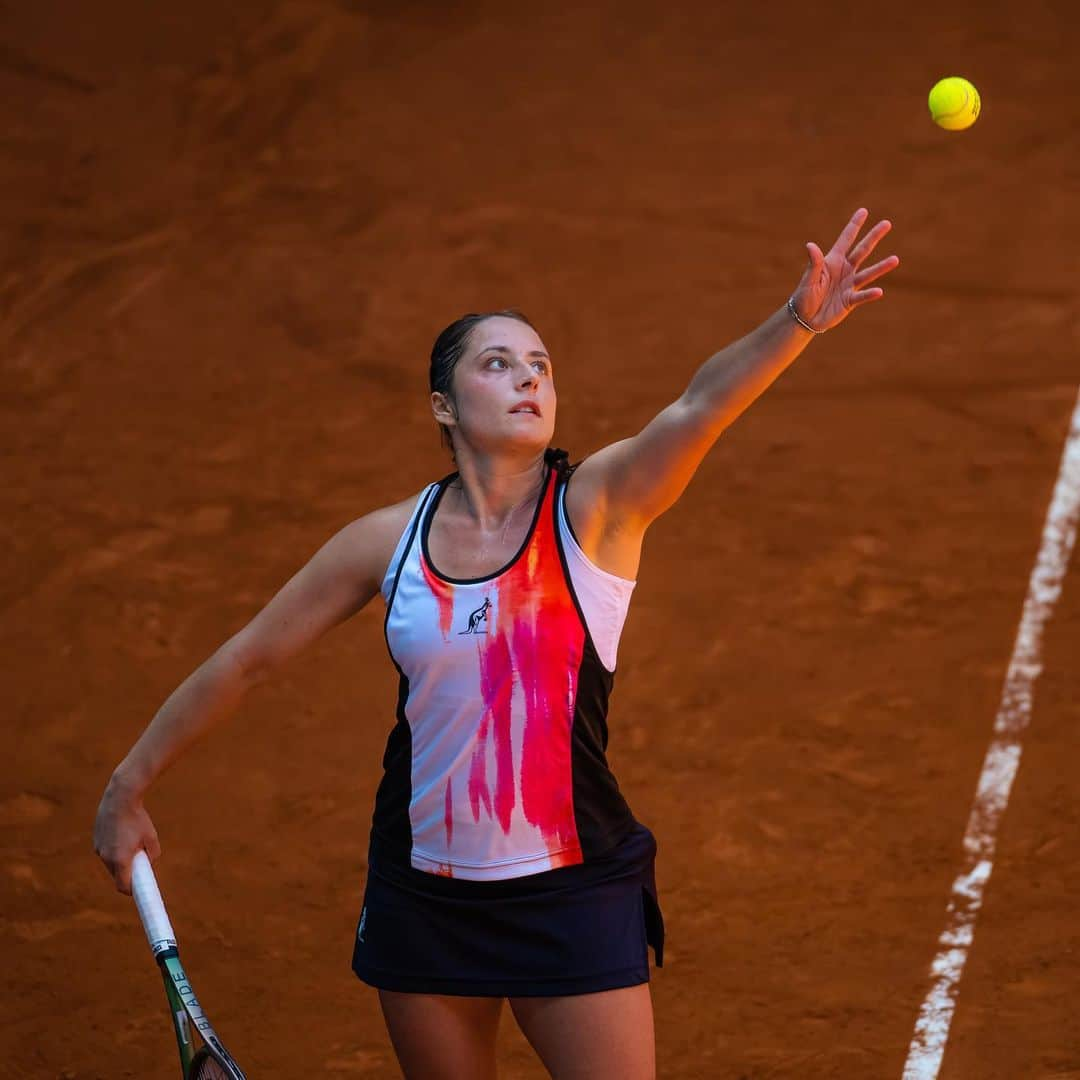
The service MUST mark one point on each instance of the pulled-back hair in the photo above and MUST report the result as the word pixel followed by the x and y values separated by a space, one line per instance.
pixel 448 349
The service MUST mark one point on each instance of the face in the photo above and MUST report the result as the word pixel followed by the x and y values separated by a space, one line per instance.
pixel 504 364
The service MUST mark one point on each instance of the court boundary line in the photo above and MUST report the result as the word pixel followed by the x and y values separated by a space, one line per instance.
pixel 999 766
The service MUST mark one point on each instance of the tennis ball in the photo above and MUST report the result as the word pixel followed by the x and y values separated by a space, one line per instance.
pixel 954 103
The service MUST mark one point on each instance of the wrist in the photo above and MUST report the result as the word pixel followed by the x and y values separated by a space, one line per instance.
pixel 804 323
pixel 127 784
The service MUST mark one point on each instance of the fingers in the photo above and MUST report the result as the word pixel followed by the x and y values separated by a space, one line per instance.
pixel 149 840
pixel 879 269
pixel 118 870
pixel 860 251
pixel 117 837
pixel 864 297
pixel 122 874
pixel 850 231
pixel 867 244
pixel 121 868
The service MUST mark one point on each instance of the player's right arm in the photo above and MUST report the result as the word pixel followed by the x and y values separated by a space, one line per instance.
pixel 338 580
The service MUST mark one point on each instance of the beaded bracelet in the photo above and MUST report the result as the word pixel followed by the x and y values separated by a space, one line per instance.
pixel 801 321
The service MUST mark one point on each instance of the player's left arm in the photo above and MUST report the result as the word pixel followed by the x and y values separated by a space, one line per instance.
pixel 637 479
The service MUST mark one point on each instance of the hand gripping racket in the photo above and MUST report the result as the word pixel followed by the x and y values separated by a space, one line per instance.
pixel 211 1061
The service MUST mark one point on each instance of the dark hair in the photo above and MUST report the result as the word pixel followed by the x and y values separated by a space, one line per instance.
pixel 448 349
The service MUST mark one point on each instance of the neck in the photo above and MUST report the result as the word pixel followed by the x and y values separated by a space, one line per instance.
pixel 491 495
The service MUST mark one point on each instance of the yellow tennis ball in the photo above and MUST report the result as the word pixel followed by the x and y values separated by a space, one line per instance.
pixel 954 103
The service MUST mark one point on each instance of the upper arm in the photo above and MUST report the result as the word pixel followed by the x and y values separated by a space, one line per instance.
pixel 338 580
pixel 635 480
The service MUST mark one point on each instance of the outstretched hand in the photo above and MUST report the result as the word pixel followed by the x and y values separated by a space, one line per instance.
pixel 833 285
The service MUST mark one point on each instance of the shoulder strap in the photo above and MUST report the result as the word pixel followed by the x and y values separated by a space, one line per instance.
pixel 405 542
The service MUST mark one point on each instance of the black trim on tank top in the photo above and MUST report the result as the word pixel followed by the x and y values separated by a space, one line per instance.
pixel 393 797
pixel 566 512
pixel 423 501
pixel 390 817
pixel 429 516
pixel 601 813
pixel 566 569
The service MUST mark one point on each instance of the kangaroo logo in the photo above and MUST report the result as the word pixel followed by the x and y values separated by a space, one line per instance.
pixel 476 618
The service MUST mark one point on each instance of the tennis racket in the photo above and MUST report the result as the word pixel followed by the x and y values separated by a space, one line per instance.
pixel 211 1061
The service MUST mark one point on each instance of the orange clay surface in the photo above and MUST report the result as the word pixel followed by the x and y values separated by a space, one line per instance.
pixel 231 234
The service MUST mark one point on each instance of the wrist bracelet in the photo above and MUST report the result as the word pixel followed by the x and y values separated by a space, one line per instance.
pixel 801 321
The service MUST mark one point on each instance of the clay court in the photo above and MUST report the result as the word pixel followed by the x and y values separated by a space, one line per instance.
pixel 232 233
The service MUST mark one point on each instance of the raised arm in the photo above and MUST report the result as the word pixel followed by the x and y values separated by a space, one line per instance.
pixel 637 479
pixel 340 578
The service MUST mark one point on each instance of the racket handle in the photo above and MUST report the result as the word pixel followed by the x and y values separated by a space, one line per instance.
pixel 144 888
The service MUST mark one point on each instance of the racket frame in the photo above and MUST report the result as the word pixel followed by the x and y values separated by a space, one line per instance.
pixel 184 1007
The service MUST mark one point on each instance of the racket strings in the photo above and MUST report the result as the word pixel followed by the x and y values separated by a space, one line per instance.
pixel 204 1067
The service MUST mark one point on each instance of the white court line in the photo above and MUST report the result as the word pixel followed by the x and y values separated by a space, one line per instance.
pixel 999 767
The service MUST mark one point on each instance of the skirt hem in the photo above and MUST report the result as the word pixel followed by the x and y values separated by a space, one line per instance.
pixel 554 987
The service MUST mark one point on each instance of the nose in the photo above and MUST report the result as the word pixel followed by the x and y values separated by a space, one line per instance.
pixel 529 378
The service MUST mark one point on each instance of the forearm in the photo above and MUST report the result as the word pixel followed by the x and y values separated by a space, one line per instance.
pixel 205 698
pixel 729 381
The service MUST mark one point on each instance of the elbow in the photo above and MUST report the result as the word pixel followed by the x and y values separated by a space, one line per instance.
pixel 242 665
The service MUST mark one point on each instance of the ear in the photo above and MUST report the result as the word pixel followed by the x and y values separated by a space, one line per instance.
pixel 442 407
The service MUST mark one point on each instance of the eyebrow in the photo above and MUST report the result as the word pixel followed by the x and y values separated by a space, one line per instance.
pixel 505 349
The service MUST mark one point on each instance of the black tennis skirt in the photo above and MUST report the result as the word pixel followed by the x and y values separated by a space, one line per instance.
pixel 572 930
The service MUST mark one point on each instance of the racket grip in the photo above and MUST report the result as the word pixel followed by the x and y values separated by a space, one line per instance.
pixel 144 888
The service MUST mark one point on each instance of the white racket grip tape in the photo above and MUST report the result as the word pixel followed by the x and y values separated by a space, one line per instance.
pixel 144 888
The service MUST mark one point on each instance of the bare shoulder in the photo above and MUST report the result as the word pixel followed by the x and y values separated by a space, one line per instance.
pixel 591 473
pixel 373 537
pixel 611 540
pixel 333 585
pixel 588 492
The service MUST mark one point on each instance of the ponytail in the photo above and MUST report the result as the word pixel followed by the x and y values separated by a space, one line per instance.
pixel 559 460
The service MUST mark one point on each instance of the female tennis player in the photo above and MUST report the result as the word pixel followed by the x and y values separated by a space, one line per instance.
pixel 504 863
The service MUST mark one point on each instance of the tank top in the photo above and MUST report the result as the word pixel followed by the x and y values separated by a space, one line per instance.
pixel 496 767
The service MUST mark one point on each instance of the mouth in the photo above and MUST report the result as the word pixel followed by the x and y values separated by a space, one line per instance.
pixel 529 410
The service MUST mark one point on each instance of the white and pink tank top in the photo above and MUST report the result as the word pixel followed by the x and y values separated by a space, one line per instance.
pixel 496 767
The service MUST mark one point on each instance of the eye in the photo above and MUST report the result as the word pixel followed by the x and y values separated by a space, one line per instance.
pixel 541 364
